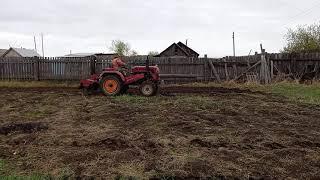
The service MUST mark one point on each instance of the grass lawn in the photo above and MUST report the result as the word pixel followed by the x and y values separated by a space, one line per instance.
pixel 38 84
pixel 297 92
pixel 6 169
pixel 292 90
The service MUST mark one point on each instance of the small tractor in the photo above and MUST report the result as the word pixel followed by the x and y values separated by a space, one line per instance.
pixel 113 82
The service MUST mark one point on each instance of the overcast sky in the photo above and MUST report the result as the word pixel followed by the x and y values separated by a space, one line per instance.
pixel 152 25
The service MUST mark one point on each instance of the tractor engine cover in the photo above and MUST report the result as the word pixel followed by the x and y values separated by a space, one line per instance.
pixel 155 71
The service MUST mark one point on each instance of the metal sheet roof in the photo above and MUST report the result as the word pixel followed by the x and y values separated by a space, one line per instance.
pixel 26 52
pixel 79 55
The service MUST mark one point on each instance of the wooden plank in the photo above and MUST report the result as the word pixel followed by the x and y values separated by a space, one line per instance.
pixel 226 69
pixel 249 69
pixel 272 68
pixel 235 70
pixel 214 70
pixel 264 68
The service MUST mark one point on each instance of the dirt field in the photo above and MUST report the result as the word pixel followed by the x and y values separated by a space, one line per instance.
pixel 218 133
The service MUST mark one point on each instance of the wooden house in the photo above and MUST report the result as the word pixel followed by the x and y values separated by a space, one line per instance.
pixel 178 50
pixel 20 52
pixel 2 51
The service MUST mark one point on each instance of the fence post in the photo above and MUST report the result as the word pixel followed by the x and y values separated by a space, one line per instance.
pixel 205 68
pixel 264 70
pixel 226 68
pixel 36 67
pixel 215 72
pixel 272 70
pixel 234 66
pixel 93 64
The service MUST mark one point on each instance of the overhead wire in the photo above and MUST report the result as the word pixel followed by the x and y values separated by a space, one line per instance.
pixel 303 13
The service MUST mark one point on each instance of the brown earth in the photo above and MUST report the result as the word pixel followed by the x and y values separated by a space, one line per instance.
pixel 222 133
pixel 163 90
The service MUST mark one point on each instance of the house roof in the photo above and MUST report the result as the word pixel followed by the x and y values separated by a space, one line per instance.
pixel 23 52
pixel 79 55
pixel 2 51
pixel 87 54
pixel 27 52
pixel 187 48
pixel 184 48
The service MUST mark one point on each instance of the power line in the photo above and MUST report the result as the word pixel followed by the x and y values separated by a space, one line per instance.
pixel 302 13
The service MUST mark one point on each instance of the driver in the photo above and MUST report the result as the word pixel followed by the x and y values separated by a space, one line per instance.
pixel 119 65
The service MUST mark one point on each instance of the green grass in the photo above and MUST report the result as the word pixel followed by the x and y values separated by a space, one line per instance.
pixel 2 166
pixel 30 84
pixel 297 92
pixel 7 172
pixel 131 99
pixel 32 177
pixel 292 90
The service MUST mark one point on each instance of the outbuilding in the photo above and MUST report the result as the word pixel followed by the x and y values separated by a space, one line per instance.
pixel 20 52
pixel 178 50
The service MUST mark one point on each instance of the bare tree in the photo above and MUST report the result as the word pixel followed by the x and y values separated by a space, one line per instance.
pixel 153 53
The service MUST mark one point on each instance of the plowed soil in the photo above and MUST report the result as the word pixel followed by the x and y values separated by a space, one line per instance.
pixel 199 132
pixel 164 90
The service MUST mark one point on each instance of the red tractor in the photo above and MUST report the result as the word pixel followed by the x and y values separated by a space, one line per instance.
pixel 113 82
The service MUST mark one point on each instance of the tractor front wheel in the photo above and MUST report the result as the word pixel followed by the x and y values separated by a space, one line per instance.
pixel 148 89
pixel 111 85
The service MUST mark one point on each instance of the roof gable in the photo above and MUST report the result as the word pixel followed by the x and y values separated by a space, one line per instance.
pixel 174 45
pixel 182 48
pixel 187 48
pixel 2 51
pixel 26 52
pixel 23 52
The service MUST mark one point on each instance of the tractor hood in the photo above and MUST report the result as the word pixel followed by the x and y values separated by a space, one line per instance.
pixel 153 69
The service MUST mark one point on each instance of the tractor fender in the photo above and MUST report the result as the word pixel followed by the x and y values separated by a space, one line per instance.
pixel 117 73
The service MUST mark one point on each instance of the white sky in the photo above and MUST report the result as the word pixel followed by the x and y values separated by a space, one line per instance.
pixel 152 25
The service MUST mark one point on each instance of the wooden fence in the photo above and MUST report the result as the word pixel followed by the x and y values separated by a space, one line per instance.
pixel 44 68
pixel 244 68
pixel 295 64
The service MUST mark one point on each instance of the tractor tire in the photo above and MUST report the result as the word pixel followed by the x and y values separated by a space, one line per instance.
pixel 148 89
pixel 124 89
pixel 111 85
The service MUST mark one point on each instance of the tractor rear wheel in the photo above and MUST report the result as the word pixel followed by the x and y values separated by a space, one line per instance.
pixel 148 89
pixel 111 85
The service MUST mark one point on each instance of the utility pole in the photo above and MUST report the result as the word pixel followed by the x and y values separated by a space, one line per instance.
pixel 35 43
pixel 234 45
pixel 42 44
pixel 186 42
